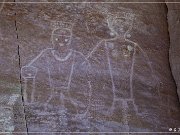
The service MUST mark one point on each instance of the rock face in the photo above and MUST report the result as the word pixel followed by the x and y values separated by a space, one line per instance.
pixel 95 67
pixel 11 105
pixel 174 23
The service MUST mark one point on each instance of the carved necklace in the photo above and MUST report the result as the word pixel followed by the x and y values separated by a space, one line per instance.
pixel 61 59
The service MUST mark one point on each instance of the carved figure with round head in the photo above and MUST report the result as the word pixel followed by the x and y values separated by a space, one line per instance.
pixel 61 36
pixel 61 39
pixel 120 25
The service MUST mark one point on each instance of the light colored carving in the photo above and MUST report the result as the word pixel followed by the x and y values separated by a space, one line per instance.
pixel 29 73
pixel 125 114
pixel 61 39
pixel 123 34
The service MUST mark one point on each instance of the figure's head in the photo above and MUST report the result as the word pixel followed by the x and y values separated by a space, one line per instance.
pixel 98 25
pixel 61 38
pixel 120 25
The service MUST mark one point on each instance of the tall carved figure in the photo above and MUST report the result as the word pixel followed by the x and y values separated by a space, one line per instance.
pixel 55 75
pixel 113 61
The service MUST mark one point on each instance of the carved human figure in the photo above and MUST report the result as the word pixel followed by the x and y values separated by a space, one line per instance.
pixel 112 62
pixel 60 76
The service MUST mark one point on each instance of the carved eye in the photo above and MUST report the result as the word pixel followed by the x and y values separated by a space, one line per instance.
pixel 66 40
pixel 130 48
pixel 121 30
pixel 128 35
pixel 112 34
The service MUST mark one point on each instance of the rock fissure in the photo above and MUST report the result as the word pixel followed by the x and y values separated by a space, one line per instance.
pixel 20 77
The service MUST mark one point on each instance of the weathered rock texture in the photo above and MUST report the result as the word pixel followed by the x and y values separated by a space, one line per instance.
pixel 95 67
pixel 174 32
pixel 11 106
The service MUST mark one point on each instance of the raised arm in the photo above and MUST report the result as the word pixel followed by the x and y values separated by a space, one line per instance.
pixel 28 74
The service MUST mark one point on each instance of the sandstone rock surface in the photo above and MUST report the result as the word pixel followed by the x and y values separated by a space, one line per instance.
pixel 94 67
pixel 11 105
pixel 174 32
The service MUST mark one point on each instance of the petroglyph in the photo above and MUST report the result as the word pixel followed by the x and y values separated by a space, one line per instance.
pixel 121 44
pixel 59 64
pixel 111 75
pixel 29 73
pixel 125 50
pixel 125 115
pixel 114 64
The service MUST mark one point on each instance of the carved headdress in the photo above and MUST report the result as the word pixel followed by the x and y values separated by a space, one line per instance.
pixel 125 15
pixel 62 28
pixel 129 16
pixel 60 24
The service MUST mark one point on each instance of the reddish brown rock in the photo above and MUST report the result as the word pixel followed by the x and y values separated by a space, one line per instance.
pixel 174 24
pixel 94 67
pixel 11 107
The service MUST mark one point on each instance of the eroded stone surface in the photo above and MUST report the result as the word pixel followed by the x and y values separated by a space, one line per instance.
pixel 96 67
pixel 11 107
pixel 174 24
